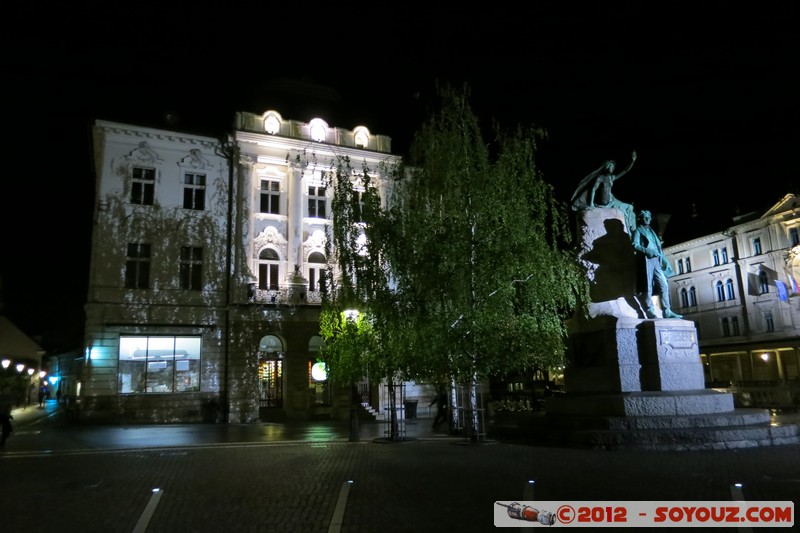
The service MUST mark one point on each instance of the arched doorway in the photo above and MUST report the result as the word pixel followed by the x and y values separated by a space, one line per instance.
pixel 270 373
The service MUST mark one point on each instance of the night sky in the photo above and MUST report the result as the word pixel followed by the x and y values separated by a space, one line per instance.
pixel 705 92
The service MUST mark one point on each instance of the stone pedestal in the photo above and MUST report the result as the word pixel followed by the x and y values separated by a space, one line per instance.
pixel 638 382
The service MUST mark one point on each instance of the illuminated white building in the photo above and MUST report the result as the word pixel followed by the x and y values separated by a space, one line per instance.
pixel 739 287
pixel 205 276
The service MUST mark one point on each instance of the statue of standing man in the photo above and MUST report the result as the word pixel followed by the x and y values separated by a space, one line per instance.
pixel 595 191
pixel 657 269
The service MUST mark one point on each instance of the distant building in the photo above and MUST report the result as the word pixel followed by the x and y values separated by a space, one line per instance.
pixel 205 275
pixel 739 286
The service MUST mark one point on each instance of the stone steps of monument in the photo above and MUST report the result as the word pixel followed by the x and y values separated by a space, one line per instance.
pixel 695 438
pixel 735 418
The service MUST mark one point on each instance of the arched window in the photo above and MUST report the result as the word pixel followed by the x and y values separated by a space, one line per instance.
pixel 729 292
pixel 268 270
pixel 684 298
pixel 316 271
pixel 270 371
pixel 720 292
pixel 692 297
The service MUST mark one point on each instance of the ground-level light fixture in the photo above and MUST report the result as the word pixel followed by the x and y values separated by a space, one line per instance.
pixel 6 363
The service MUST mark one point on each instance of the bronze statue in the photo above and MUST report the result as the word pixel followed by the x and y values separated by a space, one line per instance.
pixel 657 268
pixel 595 191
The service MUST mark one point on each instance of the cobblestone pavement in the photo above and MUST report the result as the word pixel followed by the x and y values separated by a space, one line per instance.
pixel 327 483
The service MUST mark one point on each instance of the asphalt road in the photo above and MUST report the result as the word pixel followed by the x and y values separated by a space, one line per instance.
pixel 311 478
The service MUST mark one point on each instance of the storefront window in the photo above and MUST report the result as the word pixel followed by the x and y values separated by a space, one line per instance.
pixel 163 364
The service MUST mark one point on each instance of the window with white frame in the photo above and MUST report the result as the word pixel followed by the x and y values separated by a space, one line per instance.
pixel 270 201
pixel 730 294
pixel 317 202
pixel 763 282
pixel 143 185
pixel 159 364
pixel 684 297
pixel 680 266
pixel 688 265
pixel 715 257
pixel 769 322
pixel 726 328
pixel 735 325
pixel 724 253
pixel 194 191
pixel 191 268
pixel 757 246
pixel 268 270
pixel 720 291
pixel 316 271
pixel 692 296
pixel 137 266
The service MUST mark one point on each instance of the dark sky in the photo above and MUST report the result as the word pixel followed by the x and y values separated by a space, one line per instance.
pixel 705 91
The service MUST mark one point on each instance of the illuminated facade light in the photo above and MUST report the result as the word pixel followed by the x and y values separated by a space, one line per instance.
pixel 6 363
pixel 319 129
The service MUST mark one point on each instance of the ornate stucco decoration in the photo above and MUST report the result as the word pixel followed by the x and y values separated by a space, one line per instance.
pixel 195 160
pixel 269 235
pixel 144 154
pixel 315 243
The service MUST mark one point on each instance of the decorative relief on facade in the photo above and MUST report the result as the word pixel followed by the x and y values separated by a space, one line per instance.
pixel 315 243
pixel 269 236
pixel 195 160
pixel 144 154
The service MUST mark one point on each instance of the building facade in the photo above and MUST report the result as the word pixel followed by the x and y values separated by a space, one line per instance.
pixel 739 287
pixel 206 271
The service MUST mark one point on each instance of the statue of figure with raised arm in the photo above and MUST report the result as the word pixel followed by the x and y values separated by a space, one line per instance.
pixel 595 191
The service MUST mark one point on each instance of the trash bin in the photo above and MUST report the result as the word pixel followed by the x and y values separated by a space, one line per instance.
pixel 411 408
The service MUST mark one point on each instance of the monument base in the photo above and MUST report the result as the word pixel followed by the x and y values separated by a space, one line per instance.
pixel 638 382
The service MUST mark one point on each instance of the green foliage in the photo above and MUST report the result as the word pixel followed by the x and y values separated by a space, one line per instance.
pixel 467 269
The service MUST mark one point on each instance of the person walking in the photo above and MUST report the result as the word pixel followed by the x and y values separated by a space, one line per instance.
pixel 441 402
pixel 5 416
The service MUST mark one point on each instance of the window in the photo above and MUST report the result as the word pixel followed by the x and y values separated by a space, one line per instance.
pixel 724 255
pixel 137 266
pixel 268 268
pixel 726 329
pixel 316 202
pixel 164 364
pixel 692 296
pixel 720 292
pixel 757 246
pixel 794 238
pixel 768 321
pixel 143 185
pixel 359 205
pixel 684 298
pixel 715 257
pixel 688 265
pixel 194 191
pixel 680 266
pixel 191 265
pixel 729 292
pixel 270 197
pixel 316 271
pixel 763 282
pixel 735 324
pixel 270 371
